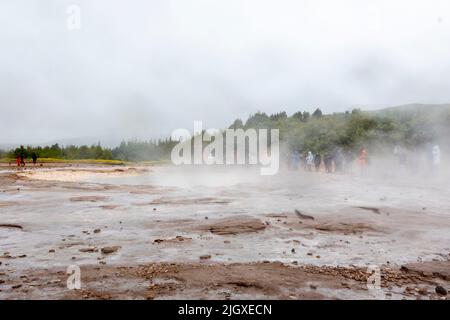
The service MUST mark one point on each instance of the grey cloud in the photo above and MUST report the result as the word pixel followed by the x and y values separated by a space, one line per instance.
pixel 143 68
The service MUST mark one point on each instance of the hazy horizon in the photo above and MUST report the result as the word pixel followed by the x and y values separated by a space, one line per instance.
pixel 143 68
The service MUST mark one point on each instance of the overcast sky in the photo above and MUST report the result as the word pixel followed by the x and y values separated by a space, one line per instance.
pixel 141 68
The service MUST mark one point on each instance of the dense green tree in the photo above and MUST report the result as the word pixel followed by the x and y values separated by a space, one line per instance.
pixel 317 113
pixel 306 115
pixel 278 116
pixel 298 116
pixel 237 124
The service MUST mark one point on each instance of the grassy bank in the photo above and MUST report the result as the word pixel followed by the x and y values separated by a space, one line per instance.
pixel 81 161
pixel 91 161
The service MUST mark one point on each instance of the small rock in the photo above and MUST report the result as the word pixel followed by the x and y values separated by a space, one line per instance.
pixel 17 286
pixel 205 257
pixel 441 290
pixel 303 216
pixel 97 230
pixel 54 281
pixel 109 250
pixel 423 291
pixel 313 286
pixel 293 250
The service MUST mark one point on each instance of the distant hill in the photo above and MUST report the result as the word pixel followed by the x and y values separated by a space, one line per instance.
pixel 433 117
pixel 416 107
pixel 436 112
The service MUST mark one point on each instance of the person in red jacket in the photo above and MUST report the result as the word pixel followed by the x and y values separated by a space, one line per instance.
pixel 19 160
pixel 362 157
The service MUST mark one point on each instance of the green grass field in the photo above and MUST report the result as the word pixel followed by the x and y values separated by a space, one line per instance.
pixel 91 161
pixel 55 160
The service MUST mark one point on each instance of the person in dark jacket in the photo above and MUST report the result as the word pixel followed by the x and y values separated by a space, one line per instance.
pixel 317 161
pixel 328 162
pixel 34 158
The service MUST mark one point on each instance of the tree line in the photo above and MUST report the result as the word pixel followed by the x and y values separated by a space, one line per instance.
pixel 411 126
pixel 127 151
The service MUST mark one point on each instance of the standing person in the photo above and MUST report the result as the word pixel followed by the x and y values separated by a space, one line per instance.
pixel 328 161
pixel 436 153
pixel 34 157
pixel 400 153
pixel 338 161
pixel 317 161
pixel 362 159
pixel 309 161
pixel 295 160
pixel 18 160
pixel 22 152
pixel 349 157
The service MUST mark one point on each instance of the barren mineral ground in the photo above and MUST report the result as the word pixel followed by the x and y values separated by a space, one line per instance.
pixel 167 232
